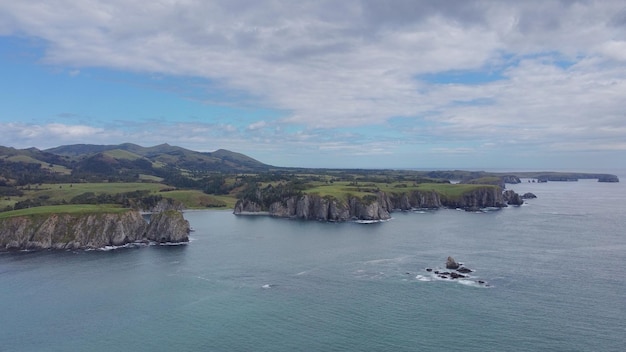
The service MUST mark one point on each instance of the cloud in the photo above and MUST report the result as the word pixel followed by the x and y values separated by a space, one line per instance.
pixel 24 135
pixel 257 125
pixel 329 64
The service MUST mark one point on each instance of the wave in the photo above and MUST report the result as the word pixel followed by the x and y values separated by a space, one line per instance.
pixel 468 281
pixel 127 245
pixel 169 243
pixel 136 245
pixel 370 221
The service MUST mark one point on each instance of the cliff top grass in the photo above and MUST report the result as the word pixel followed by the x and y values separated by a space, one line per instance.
pixel 60 192
pixel 65 209
pixel 198 200
pixel 342 189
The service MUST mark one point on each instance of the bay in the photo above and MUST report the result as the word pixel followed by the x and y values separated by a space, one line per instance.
pixel 554 273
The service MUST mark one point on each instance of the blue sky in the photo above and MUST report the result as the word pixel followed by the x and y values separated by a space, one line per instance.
pixel 368 84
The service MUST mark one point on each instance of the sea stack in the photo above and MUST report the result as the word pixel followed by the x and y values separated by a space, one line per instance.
pixel 451 263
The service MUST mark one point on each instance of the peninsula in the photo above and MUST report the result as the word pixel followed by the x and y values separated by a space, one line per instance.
pixel 369 201
pixel 166 177
pixel 69 227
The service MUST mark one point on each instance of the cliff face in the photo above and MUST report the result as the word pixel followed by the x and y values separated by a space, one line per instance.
pixel 483 197
pixel 378 206
pixel 313 207
pixel 72 231
pixel 168 226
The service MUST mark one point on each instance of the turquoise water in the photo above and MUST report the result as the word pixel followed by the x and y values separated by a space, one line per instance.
pixel 554 269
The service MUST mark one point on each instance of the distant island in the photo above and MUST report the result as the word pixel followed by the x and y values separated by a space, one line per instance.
pixel 165 177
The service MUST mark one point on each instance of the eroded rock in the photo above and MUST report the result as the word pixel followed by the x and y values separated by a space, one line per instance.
pixel 452 264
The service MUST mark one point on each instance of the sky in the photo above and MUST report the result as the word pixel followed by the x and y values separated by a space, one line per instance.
pixel 536 85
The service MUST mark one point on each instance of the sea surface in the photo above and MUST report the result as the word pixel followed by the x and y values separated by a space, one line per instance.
pixel 554 272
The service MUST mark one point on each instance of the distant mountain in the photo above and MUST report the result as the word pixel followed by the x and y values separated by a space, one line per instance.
pixel 163 156
pixel 121 162
pixel 32 155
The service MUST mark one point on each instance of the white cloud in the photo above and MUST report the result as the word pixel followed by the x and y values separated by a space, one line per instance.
pixel 257 125
pixel 331 64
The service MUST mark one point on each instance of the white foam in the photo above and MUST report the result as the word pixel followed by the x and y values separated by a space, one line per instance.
pixel 171 243
pixel 127 245
pixel 369 221
pixel 423 278
pixel 488 209
pixel 266 286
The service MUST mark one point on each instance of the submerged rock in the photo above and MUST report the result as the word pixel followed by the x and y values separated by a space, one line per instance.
pixel 457 272
pixel 454 275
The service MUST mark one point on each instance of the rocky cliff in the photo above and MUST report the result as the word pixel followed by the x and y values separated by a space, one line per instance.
pixel 314 207
pixel 95 230
pixel 168 226
pixel 376 206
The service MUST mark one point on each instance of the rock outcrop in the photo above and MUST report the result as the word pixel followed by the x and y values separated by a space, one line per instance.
pixel 482 197
pixel 512 198
pixel 511 179
pixel 168 226
pixel 608 178
pixel 529 195
pixel 452 264
pixel 165 205
pixel 457 272
pixel 93 230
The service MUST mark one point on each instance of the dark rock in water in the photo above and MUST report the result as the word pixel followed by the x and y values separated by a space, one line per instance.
pixel 451 263
pixel 512 198
pixel 429 269
pixel 456 276
pixel 481 282
pixel 528 195
pixel 464 270
pixel 608 178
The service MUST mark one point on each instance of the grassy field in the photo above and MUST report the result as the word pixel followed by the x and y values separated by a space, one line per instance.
pixel 122 154
pixel 150 178
pixel 451 191
pixel 64 209
pixel 66 191
pixel 193 199
pixel 197 199
pixel 341 189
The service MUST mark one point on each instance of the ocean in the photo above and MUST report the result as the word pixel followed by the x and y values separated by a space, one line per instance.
pixel 553 272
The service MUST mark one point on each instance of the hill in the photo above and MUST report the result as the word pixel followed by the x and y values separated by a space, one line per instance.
pixel 160 157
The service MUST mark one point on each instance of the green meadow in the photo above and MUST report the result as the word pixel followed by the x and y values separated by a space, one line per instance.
pixel 64 192
pixel 64 209
pixel 342 189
